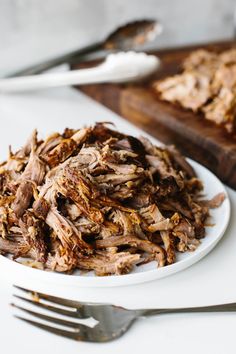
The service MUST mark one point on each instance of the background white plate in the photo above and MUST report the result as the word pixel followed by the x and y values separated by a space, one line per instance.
pixel 66 116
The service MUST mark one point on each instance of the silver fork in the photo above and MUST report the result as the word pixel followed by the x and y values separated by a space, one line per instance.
pixel 112 321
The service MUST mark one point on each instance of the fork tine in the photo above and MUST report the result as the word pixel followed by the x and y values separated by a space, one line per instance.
pixel 55 299
pixel 59 300
pixel 49 307
pixel 60 332
pixel 59 321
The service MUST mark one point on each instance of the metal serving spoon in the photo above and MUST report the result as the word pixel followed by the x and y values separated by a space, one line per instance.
pixel 126 37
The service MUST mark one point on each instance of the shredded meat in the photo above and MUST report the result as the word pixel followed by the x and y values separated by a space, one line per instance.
pixel 95 199
pixel 191 89
pixel 207 84
pixel 108 263
pixel 31 177
pixel 33 231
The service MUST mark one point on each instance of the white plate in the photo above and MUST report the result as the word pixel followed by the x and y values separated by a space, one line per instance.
pixel 24 275
pixel 220 219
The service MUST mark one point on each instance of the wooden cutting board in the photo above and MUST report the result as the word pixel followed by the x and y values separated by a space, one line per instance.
pixel 191 133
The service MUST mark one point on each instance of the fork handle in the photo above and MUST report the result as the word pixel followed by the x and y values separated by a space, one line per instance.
pixel 215 308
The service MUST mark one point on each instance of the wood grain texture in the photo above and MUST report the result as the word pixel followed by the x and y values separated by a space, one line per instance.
pixel 191 133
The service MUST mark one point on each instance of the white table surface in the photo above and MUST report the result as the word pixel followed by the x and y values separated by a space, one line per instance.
pixel 210 281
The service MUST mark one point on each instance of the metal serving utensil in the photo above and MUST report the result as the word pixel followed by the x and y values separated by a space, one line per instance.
pixel 126 37
pixel 112 321
pixel 119 67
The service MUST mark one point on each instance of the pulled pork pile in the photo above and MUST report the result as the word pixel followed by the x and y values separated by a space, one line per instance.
pixel 96 199
pixel 207 84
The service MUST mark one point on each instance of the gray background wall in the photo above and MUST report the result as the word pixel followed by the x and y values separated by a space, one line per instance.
pixel 31 30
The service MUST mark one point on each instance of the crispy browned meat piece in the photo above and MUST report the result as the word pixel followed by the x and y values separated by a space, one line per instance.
pixel 215 202
pixel 157 222
pixel 203 61
pixel 168 241
pixel 65 148
pixel 144 245
pixel 75 187
pixel 31 177
pixel 225 77
pixel 33 231
pixel 23 196
pixel 65 230
pixel 12 247
pixel 190 89
pixel 49 144
pixel 185 231
pixel 95 199
pixel 46 198
pixel 16 162
pixel 228 56
pixel 181 162
pixel 41 208
pixel 60 153
pixel 8 180
pixel 222 110
pixel 108 263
